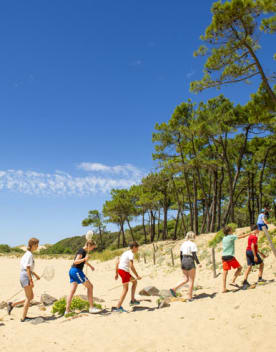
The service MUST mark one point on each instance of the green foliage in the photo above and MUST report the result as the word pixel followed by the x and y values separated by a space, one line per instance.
pixel 105 255
pixel 4 248
pixel 232 40
pixel 66 246
pixel 77 304
pixel 219 236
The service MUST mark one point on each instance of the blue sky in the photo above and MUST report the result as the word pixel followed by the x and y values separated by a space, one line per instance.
pixel 82 84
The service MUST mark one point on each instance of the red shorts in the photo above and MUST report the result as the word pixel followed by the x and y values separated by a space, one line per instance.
pixel 233 263
pixel 124 275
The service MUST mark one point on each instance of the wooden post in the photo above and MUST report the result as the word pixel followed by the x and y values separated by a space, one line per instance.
pixel 269 240
pixel 145 259
pixel 214 262
pixel 172 257
pixel 153 254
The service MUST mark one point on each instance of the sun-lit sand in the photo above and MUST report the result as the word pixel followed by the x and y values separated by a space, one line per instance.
pixel 235 321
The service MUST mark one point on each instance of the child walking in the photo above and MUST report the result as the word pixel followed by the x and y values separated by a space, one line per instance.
pixel 253 256
pixel 228 255
pixel 27 265
pixel 77 276
pixel 122 268
pixel 188 257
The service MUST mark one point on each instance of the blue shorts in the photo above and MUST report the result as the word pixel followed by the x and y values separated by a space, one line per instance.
pixel 77 275
pixel 260 226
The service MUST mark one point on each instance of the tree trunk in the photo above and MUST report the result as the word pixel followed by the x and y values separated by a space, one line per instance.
pixel 130 229
pixel 176 225
pixel 214 208
pixel 123 233
pixel 144 227
pixel 195 206
pixel 220 198
pixel 165 222
pixel 152 226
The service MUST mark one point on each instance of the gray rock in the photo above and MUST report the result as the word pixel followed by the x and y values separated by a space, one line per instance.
pixel 3 305
pixel 37 321
pixel 96 299
pixel 164 303
pixel 149 291
pixel 165 293
pixel 47 300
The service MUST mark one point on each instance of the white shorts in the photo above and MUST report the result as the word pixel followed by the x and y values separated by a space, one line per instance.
pixel 24 279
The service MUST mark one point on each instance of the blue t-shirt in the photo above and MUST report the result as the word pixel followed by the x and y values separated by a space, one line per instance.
pixel 261 218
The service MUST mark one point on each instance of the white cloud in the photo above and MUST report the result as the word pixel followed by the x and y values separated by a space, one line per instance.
pixel 125 170
pixel 190 74
pixel 61 183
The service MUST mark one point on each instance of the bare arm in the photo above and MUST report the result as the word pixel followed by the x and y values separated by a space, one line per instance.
pixel 243 235
pixel 29 273
pixel 80 260
pixel 131 265
pixel 116 268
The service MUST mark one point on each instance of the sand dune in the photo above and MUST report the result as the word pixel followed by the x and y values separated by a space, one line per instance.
pixel 236 321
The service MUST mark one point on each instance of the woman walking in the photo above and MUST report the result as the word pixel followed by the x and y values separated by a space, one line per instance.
pixel 188 257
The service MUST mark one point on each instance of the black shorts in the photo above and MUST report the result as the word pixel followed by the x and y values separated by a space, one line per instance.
pixel 188 262
pixel 250 258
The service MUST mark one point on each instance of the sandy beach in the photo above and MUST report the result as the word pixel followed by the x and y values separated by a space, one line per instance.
pixel 235 321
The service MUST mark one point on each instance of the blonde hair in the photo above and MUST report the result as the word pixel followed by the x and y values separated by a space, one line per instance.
pixel 90 243
pixel 32 242
pixel 190 235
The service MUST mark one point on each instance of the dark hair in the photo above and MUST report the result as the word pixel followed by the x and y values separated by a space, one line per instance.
pixel 133 244
pixel 227 230
pixel 253 227
pixel 32 242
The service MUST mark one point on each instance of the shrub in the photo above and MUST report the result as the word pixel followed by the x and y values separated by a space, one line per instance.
pixel 4 248
pixel 219 236
pixel 76 304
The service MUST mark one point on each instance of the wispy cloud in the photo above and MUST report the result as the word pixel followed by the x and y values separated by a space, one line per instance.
pixel 61 183
pixel 190 74
pixel 136 63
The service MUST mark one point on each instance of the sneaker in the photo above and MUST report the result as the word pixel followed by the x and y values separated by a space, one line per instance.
pixel 9 308
pixel 172 292
pixel 65 313
pixel 26 319
pixel 120 310
pixel 245 285
pixel 94 310
pixel 261 279
pixel 134 303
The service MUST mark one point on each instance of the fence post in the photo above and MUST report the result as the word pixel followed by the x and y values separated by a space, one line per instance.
pixel 145 259
pixel 153 254
pixel 214 262
pixel 269 240
pixel 172 257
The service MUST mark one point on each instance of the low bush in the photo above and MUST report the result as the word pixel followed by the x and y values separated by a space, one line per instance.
pixel 219 236
pixel 76 304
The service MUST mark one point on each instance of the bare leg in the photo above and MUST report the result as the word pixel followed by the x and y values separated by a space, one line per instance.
pixel 261 269
pixel 123 296
pixel 191 274
pixel 70 297
pixel 247 272
pixel 29 296
pixel 89 287
pixel 18 303
pixel 237 273
pixel 224 278
pixel 186 279
pixel 133 289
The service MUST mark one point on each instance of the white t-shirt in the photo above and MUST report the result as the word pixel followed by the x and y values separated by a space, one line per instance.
pixel 188 247
pixel 124 260
pixel 27 260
